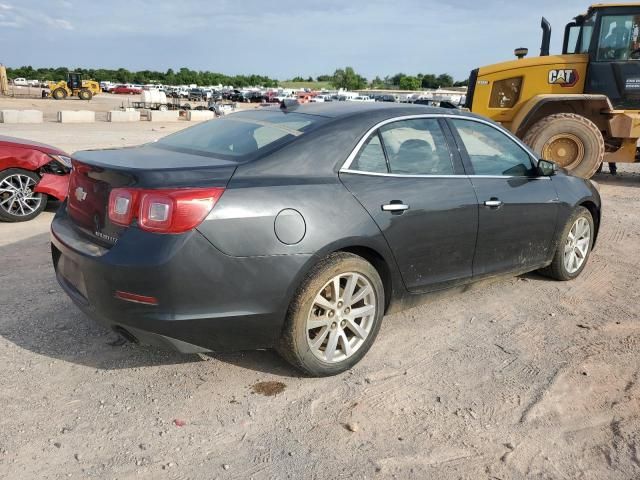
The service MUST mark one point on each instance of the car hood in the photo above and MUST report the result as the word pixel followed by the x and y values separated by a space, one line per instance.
pixel 22 142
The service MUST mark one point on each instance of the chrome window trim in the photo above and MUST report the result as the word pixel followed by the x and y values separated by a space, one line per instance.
pixel 408 175
pixel 347 163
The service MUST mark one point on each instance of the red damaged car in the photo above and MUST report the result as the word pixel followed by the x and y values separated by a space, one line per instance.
pixel 30 173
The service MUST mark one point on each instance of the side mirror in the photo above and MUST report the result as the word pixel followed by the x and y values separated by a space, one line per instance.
pixel 546 168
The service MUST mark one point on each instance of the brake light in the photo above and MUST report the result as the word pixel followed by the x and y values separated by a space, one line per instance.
pixel 121 206
pixel 162 211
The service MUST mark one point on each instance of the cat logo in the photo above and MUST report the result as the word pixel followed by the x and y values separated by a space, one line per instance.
pixel 564 78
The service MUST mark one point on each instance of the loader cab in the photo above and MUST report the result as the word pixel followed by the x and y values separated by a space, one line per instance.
pixel 74 81
pixel 610 35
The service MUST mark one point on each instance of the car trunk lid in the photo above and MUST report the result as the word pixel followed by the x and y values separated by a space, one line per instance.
pixel 96 172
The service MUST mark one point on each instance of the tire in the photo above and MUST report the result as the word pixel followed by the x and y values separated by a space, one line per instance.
pixel 20 209
pixel 59 94
pixel 85 94
pixel 575 142
pixel 336 325
pixel 163 108
pixel 558 268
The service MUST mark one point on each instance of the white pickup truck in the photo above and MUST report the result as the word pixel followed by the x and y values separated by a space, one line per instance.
pixel 23 82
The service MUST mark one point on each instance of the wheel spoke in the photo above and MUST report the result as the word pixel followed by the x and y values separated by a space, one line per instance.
pixel 331 345
pixel 318 322
pixel 363 292
pixel 349 288
pixel 362 311
pixel 319 338
pixel 346 346
pixel 323 302
pixel 336 288
pixel 356 329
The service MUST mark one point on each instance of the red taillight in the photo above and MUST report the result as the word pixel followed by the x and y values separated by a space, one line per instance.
pixel 135 298
pixel 121 205
pixel 162 211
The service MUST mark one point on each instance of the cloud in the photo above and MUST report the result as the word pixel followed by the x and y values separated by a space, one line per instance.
pixel 25 17
pixel 280 38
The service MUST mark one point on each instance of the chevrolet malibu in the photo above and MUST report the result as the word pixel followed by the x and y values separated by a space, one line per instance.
pixel 298 228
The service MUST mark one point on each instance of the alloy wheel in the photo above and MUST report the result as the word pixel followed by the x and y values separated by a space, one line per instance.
pixel 17 197
pixel 341 317
pixel 577 245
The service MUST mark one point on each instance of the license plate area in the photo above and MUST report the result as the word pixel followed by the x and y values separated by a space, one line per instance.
pixel 72 275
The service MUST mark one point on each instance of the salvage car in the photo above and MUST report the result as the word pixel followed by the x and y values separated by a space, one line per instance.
pixel 30 174
pixel 299 227
pixel 126 90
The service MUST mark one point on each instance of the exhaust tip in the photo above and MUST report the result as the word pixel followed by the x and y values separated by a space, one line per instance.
pixel 126 334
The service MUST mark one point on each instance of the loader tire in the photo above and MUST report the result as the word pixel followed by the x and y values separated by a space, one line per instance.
pixel 85 94
pixel 59 94
pixel 570 140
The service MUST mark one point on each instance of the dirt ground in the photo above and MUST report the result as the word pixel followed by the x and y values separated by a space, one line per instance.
pixel 524 378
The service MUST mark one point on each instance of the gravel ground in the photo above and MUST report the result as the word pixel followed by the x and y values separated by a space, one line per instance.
pixel 523 378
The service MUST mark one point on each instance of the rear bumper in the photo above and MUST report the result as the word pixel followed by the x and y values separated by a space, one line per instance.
pixel 207 301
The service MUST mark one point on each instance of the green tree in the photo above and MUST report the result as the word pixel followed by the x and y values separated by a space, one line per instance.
pixel 395 80
pixel 348 79
pixel 445 80
pixel 429 81
pixel 410 83
pixel 377 82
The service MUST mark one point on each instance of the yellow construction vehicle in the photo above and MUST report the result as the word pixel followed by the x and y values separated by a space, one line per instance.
pixel 74 86
pixel 579 108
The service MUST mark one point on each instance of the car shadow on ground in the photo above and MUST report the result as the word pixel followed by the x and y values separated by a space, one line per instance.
pixel 622 179
pixel 38 316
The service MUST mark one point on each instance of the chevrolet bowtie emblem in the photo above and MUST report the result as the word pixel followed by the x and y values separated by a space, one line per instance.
pixel 80 194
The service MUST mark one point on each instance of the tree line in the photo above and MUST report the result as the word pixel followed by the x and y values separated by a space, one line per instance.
pixel 183 76
pixel 345 78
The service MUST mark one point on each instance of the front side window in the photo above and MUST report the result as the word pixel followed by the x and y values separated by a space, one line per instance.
pixel 619 38
pixel 417 147
pixel 491 152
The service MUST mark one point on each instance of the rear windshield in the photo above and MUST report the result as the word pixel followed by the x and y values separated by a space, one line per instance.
pixel 242 135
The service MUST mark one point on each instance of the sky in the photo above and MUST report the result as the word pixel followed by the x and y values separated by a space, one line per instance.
pixel 278 38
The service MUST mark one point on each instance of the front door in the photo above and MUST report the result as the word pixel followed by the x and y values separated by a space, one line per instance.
pixel 517 208
pixel 414 188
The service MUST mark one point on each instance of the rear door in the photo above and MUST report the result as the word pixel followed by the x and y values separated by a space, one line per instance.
pixel 413 186
pixel 517 208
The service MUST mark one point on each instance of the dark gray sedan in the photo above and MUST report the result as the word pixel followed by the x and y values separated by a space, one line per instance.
pixel 299 228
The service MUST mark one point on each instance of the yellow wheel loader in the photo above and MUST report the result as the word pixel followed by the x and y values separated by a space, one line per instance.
pixel 74 86
pixel 579 108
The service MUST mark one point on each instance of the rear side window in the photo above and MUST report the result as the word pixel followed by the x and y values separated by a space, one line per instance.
pixel 240 136
pixel 417 147
pixel 371 157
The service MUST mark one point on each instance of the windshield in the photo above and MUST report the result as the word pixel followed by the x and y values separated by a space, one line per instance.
pixel 619 38
pixel 241 135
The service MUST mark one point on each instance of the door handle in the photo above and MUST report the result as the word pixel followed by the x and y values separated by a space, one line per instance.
pixel 493 203
pixel 395 207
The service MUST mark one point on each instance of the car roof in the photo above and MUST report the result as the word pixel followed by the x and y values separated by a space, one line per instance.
pixel 337 110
